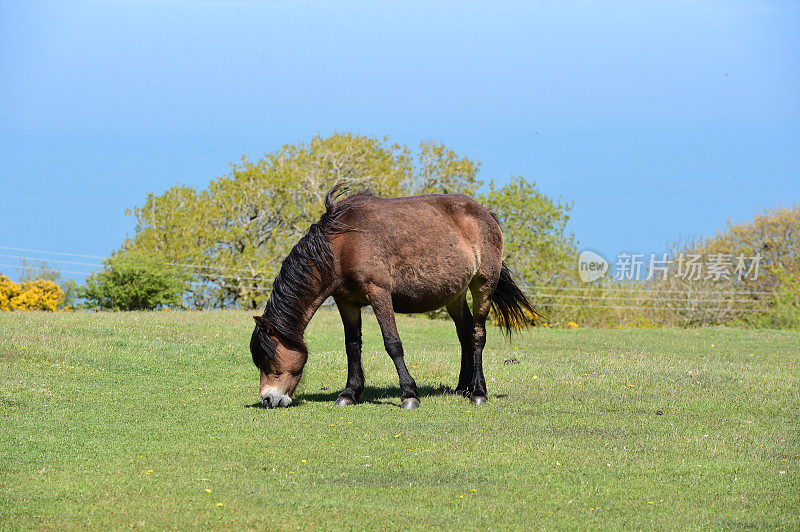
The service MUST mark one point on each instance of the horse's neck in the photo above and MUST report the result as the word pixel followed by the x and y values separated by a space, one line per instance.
pixel 306 311
pixel 309 312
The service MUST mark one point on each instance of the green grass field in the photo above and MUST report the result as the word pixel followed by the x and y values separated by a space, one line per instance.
pixel 148 420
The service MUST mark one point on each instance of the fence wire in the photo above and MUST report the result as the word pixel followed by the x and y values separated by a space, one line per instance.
pixel 546 296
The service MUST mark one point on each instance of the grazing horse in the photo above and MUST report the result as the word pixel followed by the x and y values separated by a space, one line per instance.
pixel 408 255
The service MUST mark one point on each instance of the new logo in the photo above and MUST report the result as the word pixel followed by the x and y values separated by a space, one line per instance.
pixel 591 266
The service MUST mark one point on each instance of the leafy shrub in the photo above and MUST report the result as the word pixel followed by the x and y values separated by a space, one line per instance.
pixel 774 236
pixel 769 299
pixel 784 304
pixel 134 282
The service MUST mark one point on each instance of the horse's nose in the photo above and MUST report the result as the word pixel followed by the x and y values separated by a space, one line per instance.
pixel 267 401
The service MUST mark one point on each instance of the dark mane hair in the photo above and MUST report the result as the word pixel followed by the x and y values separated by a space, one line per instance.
pixel 309 263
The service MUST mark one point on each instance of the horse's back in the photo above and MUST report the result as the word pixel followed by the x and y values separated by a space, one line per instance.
pixel 455 210
pixel 432 245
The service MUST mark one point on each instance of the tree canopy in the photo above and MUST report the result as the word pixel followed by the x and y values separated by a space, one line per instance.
pixel 233 235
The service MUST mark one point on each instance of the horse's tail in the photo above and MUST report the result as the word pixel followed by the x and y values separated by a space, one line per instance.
pixel 512 307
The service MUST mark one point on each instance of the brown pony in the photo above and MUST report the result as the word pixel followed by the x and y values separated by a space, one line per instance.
pixel 406 255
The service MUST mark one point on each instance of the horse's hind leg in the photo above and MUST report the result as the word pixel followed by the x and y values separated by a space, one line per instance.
pixel 481 290
pixel 459 311
pixel 384 312
pixel 351 319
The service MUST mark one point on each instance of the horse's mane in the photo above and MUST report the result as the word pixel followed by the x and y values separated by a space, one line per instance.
pixel 308 265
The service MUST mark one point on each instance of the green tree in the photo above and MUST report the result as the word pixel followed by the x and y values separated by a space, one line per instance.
pixel 538 247
pixel 33 270
pixel 175 226
pixel 440 170
pixel 233 235
pixel 135 281
pixel 236 232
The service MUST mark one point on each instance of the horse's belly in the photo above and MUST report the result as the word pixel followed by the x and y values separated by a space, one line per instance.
pixel 424 287
pixel 405 305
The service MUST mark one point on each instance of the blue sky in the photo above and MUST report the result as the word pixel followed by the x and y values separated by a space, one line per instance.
pixel 657 119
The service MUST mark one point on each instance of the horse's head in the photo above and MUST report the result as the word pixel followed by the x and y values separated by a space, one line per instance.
pixel 281 363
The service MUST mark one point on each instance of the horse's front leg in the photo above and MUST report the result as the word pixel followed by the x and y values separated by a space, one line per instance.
pixel 351 319
pixel 384 312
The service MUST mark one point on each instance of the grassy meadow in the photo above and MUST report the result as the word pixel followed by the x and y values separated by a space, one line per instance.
pixel 117 420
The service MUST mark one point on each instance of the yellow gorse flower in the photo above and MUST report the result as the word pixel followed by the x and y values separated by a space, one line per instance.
pixel 41 294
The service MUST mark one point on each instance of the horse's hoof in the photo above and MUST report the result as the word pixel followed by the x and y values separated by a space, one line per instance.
pixel 478 399
pixel 410 403
pixel 344 401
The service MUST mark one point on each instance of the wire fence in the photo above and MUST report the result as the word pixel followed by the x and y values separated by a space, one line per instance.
pixel 200 267
pixel 627 289
pixel 674 309
pixel 567 297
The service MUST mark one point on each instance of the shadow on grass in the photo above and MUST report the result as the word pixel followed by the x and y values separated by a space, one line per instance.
pixel 382 395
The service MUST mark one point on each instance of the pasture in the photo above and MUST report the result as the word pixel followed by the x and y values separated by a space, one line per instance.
pixel 111 420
